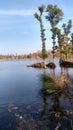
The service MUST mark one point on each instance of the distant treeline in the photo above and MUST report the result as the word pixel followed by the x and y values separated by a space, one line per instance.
pixel 23 56
pixel 35 55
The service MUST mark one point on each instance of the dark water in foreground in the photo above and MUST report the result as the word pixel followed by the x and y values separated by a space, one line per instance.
pixel 24 107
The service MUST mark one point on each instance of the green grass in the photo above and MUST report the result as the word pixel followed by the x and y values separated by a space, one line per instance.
pixel 49 84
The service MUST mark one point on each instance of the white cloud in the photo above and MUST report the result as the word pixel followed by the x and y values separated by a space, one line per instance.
pixel 17 12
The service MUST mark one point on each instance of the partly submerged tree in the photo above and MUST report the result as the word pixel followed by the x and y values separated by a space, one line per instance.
pixel 39 18
pixel 72 44
pixel 67 29
pixel 54 16
pixel 64 44
pixel 60 38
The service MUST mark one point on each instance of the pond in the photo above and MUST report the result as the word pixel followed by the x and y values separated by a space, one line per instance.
pixel 22 104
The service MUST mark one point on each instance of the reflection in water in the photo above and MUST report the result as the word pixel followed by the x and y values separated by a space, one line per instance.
pixel 21 105
pixel 23 121
pixel 59 114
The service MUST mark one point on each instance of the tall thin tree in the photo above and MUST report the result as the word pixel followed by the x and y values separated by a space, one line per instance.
pixel 67 30
pixel 39 18
pixel 54 16
pixel 60 38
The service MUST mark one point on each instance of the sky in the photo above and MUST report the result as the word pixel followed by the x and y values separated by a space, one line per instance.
pixel 20 31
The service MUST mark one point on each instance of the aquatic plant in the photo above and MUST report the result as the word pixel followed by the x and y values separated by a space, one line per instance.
pixel 52 84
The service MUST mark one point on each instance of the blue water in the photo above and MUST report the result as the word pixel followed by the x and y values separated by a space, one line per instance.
pixel 21 103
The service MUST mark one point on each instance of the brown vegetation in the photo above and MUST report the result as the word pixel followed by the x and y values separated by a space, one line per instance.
pixel 35 55
pixel 66 63
pixel 42 65
pixel 37 65
pixel 51 65
pixel 62 81
pixel 53 85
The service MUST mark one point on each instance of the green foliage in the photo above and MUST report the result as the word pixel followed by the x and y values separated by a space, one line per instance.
pixel 37 17
pixel 66 43
pixel 60 42
pixel 67 27
pixel 63 40
pixel 41 9
pixel 54 16
pixel 44 54
pixel 49 84
pixel 43 39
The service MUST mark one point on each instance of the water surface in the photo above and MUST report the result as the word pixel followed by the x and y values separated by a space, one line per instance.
pixel 23 107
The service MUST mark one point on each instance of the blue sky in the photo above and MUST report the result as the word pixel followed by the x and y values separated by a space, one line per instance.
pixel 20 31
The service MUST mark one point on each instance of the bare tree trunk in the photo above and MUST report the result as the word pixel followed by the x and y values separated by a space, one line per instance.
pixel 44 60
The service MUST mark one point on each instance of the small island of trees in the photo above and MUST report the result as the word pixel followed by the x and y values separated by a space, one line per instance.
pixel 63 36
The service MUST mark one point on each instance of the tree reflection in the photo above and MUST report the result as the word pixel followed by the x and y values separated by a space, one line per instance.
pixel 58 106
